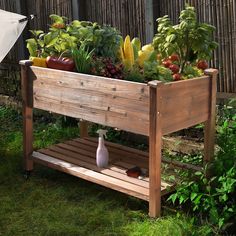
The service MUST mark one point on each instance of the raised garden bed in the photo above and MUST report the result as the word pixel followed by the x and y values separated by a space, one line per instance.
pixel 153 109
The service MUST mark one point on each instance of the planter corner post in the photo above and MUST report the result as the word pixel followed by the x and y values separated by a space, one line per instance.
pixel 209 127
pixel 27 112
pixel 155 144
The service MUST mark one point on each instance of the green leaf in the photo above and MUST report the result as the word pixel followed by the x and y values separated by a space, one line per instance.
pixel 193 196
pixel 197 199
pixel 214 214
pixel 32 49
pixel 56 18
pixel 76 23
pixel 171 38
pixel 172 197
pixel 36 33
pixel 183 25
pixel 183 199
pixel 198 173
pixel 221 222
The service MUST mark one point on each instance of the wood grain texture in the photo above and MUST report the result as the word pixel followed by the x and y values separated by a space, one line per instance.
pixel 209 128
pixel 155 143
pixel 27 113
pixel 128 16
pixel 152 110
pixel 185 103
pixel 83 128
pixel 111 102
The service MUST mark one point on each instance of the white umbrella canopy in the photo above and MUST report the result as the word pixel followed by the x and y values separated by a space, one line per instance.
pixel 11 27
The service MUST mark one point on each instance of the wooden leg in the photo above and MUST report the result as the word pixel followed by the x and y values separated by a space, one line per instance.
pixel 209 140
pixel 27 104
pixel 27 138
pixel 83 128
pixel 209 130
pixel 155 179
pixel 155 141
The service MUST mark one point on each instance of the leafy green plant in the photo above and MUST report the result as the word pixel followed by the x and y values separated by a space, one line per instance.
pixel 135 75
pixel 58 40
pixel 105 40
pixel 226 139
pixel 82 58
pixel 212 198
pixel 189 39
pixel 55 42
pixel 36 45
pixel 154 71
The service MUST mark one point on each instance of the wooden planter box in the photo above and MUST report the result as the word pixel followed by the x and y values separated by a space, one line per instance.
pixel 153 109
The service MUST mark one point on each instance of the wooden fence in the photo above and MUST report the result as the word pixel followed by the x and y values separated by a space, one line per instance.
pixel 137 18
pixel 129 16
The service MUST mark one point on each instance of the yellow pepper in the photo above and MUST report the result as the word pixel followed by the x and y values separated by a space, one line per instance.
pixel 38 61
pixel 128 52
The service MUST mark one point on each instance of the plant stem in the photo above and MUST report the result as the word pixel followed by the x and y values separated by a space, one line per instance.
pixel 186 56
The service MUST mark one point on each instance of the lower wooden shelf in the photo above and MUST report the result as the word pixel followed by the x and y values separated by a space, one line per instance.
pixel 77 157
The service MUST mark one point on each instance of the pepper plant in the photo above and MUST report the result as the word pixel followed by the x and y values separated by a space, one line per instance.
pixel 189 39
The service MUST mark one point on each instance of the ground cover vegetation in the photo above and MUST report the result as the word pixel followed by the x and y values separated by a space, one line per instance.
pixel 53 203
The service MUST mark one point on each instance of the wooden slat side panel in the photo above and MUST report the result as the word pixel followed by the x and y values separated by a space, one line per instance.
pixel 185 103
pixel 111 102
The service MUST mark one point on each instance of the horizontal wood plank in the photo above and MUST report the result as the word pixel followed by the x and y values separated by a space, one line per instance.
pixel 122 88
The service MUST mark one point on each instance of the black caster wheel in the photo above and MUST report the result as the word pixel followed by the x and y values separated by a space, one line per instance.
pixel 27 174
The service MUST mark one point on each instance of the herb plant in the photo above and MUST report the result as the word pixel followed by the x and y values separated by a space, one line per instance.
pixel 105 40
pixel 82 58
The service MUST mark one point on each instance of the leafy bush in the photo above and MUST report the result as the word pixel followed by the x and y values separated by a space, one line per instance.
pixel 213 197
pixel 190 39
pixel 226 138
pixel 104 40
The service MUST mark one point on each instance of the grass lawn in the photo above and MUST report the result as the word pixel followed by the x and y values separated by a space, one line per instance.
pixel 53 203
